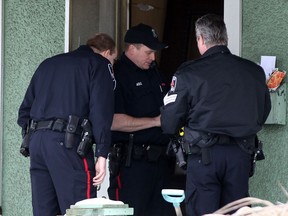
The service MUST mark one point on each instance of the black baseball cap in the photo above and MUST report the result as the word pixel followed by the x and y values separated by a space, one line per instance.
pixel 144 34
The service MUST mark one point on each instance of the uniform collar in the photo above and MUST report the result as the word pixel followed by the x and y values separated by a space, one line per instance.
pixel 131 64
pixel 216 49
pixel 85 48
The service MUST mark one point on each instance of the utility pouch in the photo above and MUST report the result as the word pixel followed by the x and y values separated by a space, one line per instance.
pixel 138 152
pixel 70 134
pixel 153 153
pixel 26 134
pixel 59 125
pixel 248 144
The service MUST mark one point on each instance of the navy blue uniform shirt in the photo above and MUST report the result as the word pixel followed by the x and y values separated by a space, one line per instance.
pixel 76 83
pixel 139 93
pixel 219 93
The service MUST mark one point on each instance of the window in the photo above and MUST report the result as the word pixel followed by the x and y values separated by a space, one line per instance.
pixel 85 18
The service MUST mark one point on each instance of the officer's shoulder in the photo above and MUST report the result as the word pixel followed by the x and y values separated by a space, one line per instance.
pixel 186 66
pixel 248 63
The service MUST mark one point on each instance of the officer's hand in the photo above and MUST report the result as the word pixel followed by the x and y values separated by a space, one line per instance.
pixel 100 168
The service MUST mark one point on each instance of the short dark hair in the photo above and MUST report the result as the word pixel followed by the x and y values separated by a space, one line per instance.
pixel 213 30
pixel 102 42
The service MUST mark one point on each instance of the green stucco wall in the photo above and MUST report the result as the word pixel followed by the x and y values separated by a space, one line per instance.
pixel 265 31
pixel 33 31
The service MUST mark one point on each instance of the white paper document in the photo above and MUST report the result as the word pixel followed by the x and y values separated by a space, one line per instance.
pixel 268 63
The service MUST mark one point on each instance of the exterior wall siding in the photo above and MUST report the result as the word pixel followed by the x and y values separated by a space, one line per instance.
pixel 265 32
pixel 33 31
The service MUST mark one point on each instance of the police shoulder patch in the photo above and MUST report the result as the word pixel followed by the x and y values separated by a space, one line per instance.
pixel 173 84
pixel 110 67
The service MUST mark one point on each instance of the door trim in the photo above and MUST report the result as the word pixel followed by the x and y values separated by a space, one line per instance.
pixel 233 20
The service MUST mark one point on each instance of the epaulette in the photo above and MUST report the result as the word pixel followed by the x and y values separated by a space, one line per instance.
pixel 188 63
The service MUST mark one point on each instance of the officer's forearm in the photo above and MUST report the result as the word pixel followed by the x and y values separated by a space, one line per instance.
pixel 126 123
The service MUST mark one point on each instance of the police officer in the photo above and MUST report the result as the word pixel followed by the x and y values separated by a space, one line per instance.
pixel 136 125
pixel 222 101
pixel 65 90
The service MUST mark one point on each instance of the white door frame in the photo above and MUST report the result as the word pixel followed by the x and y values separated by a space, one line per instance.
pixel 233 20
pixel 67 25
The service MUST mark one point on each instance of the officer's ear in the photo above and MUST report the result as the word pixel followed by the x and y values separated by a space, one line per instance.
pixel 200 40
pixel 105 53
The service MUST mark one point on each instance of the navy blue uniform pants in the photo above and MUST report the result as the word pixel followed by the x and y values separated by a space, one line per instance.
pixel 59 177
pixel 225 179
pixel 140 186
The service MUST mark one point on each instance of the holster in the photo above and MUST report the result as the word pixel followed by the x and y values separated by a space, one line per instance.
pixel 87 139
pixel 198 142
pixel 70 134
pixel 175 148
pixel 85 146
pixel 116 158
pixel 257 155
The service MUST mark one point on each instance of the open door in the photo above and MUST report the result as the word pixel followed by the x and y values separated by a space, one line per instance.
pixel 174 23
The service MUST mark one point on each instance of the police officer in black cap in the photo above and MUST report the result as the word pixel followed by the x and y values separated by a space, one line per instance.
pixel 145 168
pixel 69 95
pixel 222 101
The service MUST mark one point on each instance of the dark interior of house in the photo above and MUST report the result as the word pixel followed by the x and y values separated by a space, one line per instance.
pixel 179 30
pixel 174 23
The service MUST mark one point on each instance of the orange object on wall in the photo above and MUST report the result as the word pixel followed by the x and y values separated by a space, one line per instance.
pixel 275 79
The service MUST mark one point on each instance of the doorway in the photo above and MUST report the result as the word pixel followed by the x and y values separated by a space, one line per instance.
pixel 174 23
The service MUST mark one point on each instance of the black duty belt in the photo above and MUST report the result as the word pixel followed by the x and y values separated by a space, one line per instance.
pixel 59 125
pixel 153 152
